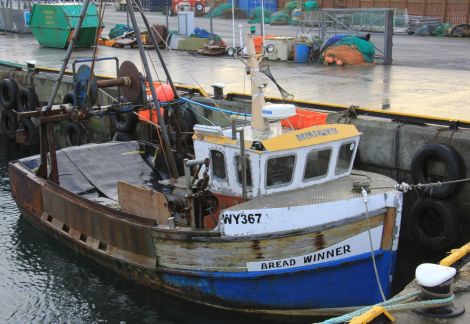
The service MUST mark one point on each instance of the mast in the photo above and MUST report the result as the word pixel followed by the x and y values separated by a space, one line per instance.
pixel 258 85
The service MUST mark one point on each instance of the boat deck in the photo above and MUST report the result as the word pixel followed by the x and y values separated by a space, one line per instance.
pixel 336 190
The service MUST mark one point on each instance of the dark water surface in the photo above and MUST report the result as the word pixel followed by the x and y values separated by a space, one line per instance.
pixel 43 282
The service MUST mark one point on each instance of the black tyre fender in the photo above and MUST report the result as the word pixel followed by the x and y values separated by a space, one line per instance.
pixel 27 99
pixel 125 123
pixel 32 138
pixel 454 165
pixel 75 134
pixel 69 98
pixel 434 223
pixel 8 93
pixel 8 123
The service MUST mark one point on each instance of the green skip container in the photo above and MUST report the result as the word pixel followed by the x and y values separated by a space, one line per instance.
pixel 53 24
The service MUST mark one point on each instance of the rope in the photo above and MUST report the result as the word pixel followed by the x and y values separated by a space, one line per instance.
pixel 229 112
pixel 372 254
pixel 396 304
pixel 407 187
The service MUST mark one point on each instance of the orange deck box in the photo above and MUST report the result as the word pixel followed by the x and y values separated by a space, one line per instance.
pixel 304 118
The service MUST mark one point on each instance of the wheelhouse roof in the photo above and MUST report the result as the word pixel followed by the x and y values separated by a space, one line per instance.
pixel 278 139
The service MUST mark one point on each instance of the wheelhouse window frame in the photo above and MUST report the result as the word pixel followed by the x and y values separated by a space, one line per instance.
pixel 329 148
pixel 214 174
pixel 351 160
pixel 292 174
pixel 249 173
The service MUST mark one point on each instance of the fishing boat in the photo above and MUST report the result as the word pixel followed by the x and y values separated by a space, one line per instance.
pixel 261 219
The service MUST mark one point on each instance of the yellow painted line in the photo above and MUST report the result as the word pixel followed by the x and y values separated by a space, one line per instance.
pixel 177 85
pixel 455 255
pixel 364 109
pixel 133 152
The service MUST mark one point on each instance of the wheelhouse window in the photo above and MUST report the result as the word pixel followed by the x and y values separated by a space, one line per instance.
pixel 238 161
pixel 218 164
pixel 279 170
pixel 317 163
pixel 345 155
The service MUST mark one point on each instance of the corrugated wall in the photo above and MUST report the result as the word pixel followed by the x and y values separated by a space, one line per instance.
pixel 453 11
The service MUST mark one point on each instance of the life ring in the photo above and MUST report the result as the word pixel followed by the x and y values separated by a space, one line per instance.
pixel 32 132
pixel 8 123
pixel 454 165
pixel 69 98
pixel 27 99
pixel 125 122
pixel 8 93
pixel 435 223
pixel 187 123
pixel 75 134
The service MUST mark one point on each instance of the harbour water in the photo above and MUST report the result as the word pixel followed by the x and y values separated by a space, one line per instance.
pixel 43 282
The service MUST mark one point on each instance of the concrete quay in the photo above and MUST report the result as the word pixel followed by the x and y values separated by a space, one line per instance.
pixel 428 75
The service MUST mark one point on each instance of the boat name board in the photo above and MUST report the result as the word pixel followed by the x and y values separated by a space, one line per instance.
pixel 352 246
pixel 241 218
pixel 317 133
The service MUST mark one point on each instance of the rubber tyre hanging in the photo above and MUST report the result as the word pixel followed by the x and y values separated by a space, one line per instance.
pixel 27 99
pixel 454 166
pixel 435 224
pixel 8 123
pixel 8 93
pixel 75 134
pixel 32 137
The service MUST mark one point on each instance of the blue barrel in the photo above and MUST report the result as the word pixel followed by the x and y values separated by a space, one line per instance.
pixel 249 5
pixel 301 53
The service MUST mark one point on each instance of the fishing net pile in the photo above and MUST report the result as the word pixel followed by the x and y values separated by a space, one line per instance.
pixel 348 50
pixel 119 30
pixel 441 30
pixel 280 18
pixel 257 13
pixel 225 11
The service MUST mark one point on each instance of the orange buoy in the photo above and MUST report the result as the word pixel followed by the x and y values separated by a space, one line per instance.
pixel 329 59
pixel 164 91
pixel 339 63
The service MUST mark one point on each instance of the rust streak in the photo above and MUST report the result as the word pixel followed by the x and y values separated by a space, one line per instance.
pixel 319 241
pixel 257 249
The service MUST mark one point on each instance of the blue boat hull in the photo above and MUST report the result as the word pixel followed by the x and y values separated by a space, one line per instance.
pixel 335 284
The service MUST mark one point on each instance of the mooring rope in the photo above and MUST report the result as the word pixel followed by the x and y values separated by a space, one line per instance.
pixel 399 303
pixel 407 187
pixel 372 254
